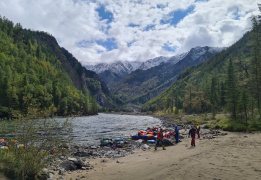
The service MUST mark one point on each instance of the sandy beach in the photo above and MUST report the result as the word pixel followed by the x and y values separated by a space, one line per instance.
pixel 234 156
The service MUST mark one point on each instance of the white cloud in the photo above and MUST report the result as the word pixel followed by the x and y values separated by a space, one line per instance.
pixel 217 23
pixel 213 23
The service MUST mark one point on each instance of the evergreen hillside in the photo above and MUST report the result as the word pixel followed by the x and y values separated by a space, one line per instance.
pixel 36 72
pixel 207 87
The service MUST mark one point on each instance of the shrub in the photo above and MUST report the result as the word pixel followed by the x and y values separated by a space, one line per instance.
pixel 240 127
pixel 149 112
pixel 39 137
pixel 217 127
pixel 228 128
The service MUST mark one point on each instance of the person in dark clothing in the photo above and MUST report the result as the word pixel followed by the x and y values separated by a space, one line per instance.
pixel 176 132
pixel 192 133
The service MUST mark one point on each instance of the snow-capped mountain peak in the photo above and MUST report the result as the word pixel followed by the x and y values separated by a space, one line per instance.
pixel 126 67
pixel 122 68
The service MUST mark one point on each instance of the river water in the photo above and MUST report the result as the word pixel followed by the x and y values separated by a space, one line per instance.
pixel 90 129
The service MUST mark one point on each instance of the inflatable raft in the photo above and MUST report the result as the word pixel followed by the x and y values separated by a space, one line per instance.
pixel 145 137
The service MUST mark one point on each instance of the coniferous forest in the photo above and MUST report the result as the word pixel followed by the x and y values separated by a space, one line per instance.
pixel 31 76
pixel 230 82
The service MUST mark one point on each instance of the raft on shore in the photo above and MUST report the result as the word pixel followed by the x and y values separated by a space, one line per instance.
pixel 145 137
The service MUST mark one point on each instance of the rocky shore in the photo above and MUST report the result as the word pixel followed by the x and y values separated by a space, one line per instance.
pixel 81 157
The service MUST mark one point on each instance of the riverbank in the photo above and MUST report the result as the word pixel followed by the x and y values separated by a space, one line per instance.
pixel 234 156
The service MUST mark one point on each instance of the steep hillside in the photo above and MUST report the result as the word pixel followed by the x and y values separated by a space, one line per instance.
pixel 81 77
pixel 36 72
pixel 143 85
pixel 206 82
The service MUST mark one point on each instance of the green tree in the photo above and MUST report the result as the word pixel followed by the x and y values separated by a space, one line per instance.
pixel 214 96
pixel 256 62
pixel 244 104
pixel 232 94
pixel 189 95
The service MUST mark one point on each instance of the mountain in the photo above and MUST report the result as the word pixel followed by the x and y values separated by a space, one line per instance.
pixel 114 71
pixel 206 84
pixel 80 76
pixel 143 85
pixel 36 72
pixel 152 63
pixel 119 67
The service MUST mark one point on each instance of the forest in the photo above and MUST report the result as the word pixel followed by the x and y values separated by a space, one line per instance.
pixel 31 76
pixel 230 82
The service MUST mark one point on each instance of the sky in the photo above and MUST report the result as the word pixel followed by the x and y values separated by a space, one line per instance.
pixel 104 31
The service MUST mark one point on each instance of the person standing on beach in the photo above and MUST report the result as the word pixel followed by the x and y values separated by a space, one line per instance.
pixel 176 132
pixel 192 133
pixel 198 129
pixel 160 139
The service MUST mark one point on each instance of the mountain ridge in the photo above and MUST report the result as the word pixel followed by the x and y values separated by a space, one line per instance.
pixel 201 77
pixel 114 71
pixel 110 72
pixel 142 85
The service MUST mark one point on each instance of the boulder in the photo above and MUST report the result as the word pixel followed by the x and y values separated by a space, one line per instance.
pixel 144 147
pixel 44 174
pixel 68 165
pixel 72 164
pixel 93 147
pixel 79 164
pixel 81 154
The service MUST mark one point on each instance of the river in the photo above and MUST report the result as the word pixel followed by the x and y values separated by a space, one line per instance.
pixel 90 129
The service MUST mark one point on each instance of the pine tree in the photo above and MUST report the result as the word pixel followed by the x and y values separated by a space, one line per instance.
pixel 244 104
pixel 189 95
pixel 232 91
pixel 214 96
pixel 255 78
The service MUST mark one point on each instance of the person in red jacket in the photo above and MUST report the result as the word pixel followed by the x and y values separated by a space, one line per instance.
pixel 160 139
pixel 198 129
pixel 192 133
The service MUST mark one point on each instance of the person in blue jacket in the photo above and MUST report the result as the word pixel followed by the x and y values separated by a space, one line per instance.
pixel 176 133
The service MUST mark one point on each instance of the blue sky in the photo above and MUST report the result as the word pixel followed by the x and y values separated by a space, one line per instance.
pixel 104 14
pixel 96 31
pixel 176 16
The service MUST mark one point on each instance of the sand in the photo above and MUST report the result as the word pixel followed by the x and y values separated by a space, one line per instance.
pixel 234 156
